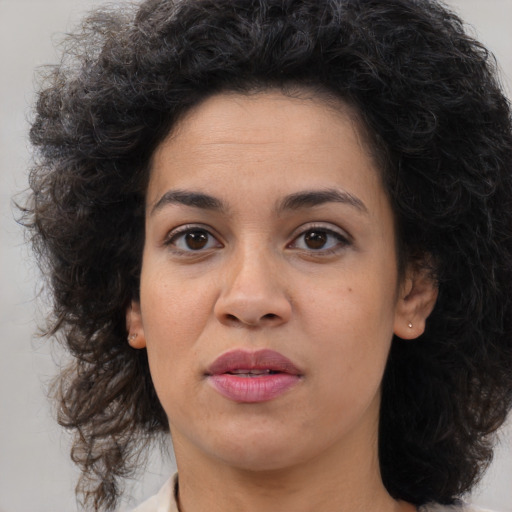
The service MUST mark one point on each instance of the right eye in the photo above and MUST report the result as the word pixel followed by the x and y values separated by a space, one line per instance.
pixel 192 239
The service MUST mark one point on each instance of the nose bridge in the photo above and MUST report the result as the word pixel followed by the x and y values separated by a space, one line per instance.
pixel 251 292
pixel 252 262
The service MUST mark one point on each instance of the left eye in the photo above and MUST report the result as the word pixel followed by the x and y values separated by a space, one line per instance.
pixel 319 239
pixel 193 240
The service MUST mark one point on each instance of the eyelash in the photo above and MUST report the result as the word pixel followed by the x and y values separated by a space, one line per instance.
pixel 182 232
pixel 342 240
pixel 179 234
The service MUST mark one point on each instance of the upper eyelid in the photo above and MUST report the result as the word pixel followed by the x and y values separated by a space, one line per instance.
pixel 303 228
pixel 344 240
pixel 183 229
pixel 326 226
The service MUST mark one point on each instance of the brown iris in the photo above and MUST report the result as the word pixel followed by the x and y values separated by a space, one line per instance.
pixel 196 240
pixel 315 239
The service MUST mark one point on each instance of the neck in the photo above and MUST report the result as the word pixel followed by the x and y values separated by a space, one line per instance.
pixel 329 483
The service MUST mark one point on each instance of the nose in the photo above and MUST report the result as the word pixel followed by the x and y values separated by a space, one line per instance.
pixel 251 294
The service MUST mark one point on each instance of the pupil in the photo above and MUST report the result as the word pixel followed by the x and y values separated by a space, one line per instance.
pixel 196 240
pixel 316 239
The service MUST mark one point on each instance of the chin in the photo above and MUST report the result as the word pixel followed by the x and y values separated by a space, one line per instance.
pixel 262 450
pixel 260 461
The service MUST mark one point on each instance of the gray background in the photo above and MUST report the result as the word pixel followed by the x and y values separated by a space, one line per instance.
pixel 35 472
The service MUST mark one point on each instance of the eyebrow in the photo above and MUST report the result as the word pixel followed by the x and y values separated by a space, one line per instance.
pixel 296 201
pixel 189 198
pixel 311 198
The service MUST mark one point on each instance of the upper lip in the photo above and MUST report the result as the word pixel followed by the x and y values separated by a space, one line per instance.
pixel 265 359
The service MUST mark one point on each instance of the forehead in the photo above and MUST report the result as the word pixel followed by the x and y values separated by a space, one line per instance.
pixel 264 146
pixel 255 113
pixel 261 125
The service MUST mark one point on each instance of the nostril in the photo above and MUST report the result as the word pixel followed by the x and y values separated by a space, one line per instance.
pixel 229 317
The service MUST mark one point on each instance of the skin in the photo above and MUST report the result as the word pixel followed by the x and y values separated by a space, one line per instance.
pixel 255 276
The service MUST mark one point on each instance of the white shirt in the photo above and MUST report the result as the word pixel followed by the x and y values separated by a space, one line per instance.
pixel 165 501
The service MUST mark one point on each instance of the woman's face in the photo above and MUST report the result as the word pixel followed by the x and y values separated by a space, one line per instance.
pixel 269 288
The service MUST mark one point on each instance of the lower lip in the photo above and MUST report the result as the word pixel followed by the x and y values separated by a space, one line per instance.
pixel 253 389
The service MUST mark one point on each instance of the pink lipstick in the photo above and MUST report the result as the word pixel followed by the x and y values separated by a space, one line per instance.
pixel 251 377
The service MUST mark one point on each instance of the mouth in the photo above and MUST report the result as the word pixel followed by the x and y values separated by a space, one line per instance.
pixel 251 377
pixel 252 373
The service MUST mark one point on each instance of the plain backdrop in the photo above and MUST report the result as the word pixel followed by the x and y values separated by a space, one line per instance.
pixel 36 474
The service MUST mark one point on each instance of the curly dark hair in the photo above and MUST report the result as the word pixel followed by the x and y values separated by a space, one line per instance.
pixel 428 96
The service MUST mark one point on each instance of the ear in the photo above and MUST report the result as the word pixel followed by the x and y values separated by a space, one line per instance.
pixel 136 337
pixel 416 300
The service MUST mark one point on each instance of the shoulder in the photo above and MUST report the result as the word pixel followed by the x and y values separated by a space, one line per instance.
pixel 451 508
pixel 163 501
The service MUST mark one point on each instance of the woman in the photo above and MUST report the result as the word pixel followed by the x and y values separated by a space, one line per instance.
pixel 281 231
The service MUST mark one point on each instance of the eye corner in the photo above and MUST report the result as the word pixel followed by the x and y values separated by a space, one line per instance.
pixel 192 240
pixel 323 240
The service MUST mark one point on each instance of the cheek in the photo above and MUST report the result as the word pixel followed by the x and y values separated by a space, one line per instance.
pixel 351 350
pixel 352 339
pixel 174 313
pixel 354 303
pixel 351 324
pixel 173 319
